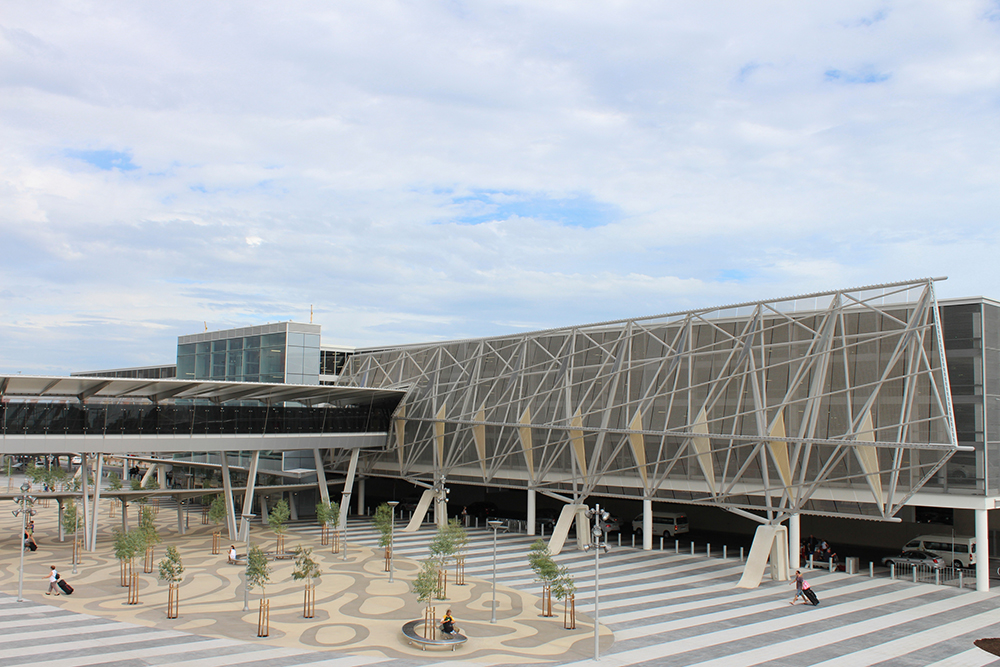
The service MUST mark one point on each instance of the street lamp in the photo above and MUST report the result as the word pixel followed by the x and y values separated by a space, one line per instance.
pixel 495 524
pixel 24 511
pixel 246 571
pixel 392 527
pixel 597 533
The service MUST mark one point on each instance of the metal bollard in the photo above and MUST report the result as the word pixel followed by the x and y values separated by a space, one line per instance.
pixel 677 546
pixel 692 547
pixel 914 574
pixel 661 542
pixel 892 571
pixel 833 567
pixel 633 540
pixel 543 530
pixel 708 550
pixel 810 561
pixel 477 522
pixel 741 554
pixel 937 577
pixel 619 539
pixel 961 580
pixel 871 570
pixel 723 552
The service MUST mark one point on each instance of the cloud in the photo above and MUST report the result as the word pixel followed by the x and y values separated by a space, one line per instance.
pixel 428 171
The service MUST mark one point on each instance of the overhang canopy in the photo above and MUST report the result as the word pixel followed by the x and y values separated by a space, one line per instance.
pixel 84 388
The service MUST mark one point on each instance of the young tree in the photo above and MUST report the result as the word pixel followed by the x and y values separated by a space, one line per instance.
pixel 71 518
pixel 152 484
pixel 114 481
pixel 425 586
pixel 460 539
pixel 135 484
pixel 258 570
pixel 172 571
pixel 217 512
pixel 546 571
pixel 126 546
pixel 150 536
pixel 308 569
pixel 326 514
pixel 564 588
pixel 276 520
pixel 383 524
pixel 442 549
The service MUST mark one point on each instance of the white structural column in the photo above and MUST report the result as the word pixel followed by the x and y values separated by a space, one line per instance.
pixel 161 476
pixel 86 502
pixel 794 542
pixel 227 491
pixel 248 496
pixel 324 490
pixel 647 524
pixel 345 498
pixel 982 550
pixel 97 500
pixel 180 518
pixel 361 496
pixel 531 511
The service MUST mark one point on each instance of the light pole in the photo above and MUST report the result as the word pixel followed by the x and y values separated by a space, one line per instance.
pixel 24 511
pixel 495 525
pixel 246 571
pixel 392 528
pixel 597 533
pixel 76 537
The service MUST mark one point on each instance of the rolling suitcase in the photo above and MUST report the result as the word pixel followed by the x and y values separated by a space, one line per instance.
pixel 808 592
pixel 66 588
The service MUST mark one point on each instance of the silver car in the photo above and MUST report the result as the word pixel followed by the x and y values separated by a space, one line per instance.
pixel 928 560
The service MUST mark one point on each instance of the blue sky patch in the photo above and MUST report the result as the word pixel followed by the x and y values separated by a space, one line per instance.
pixel 106 159
pixel 860 76
pixel 579 211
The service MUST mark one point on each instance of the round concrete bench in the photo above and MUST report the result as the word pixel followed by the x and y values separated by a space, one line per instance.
pixel 454 640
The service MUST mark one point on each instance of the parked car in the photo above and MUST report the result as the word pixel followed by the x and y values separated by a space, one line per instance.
pixel 924 558
pixel 482 509
pixel 546 518
pixel 666 524
pixel 612 524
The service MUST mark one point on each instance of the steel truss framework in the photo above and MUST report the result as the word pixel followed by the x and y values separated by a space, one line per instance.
pixel 832 403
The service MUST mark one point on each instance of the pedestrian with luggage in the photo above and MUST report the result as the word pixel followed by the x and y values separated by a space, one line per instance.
pixel 53 580
pixel 798 581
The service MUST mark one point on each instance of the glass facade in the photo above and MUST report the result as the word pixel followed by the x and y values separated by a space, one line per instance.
pixel 283 352
pixel 54 418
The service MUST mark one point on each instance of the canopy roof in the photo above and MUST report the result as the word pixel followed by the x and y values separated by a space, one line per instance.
pixel 83 388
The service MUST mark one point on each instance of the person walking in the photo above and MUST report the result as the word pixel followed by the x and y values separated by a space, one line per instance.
pixel 53 581
pixel 798 580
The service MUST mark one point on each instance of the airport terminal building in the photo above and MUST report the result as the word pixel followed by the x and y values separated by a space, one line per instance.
pixel 876 403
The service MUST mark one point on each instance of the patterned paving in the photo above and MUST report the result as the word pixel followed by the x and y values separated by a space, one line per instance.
pixel 663 608
pixel 667 609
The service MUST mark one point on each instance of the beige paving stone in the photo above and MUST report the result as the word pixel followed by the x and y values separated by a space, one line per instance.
pixel 357 610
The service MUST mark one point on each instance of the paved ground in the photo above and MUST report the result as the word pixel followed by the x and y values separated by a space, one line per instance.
pixel 663 609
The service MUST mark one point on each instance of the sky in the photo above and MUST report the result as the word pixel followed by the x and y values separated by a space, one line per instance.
pixel 420 171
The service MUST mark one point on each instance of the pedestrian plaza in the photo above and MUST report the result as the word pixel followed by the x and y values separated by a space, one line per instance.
pixel 656 608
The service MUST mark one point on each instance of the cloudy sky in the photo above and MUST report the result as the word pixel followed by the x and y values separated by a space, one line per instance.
pixel 439 169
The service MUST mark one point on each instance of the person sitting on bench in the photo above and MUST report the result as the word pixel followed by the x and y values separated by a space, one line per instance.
pixel 232 554
pixel 448 623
